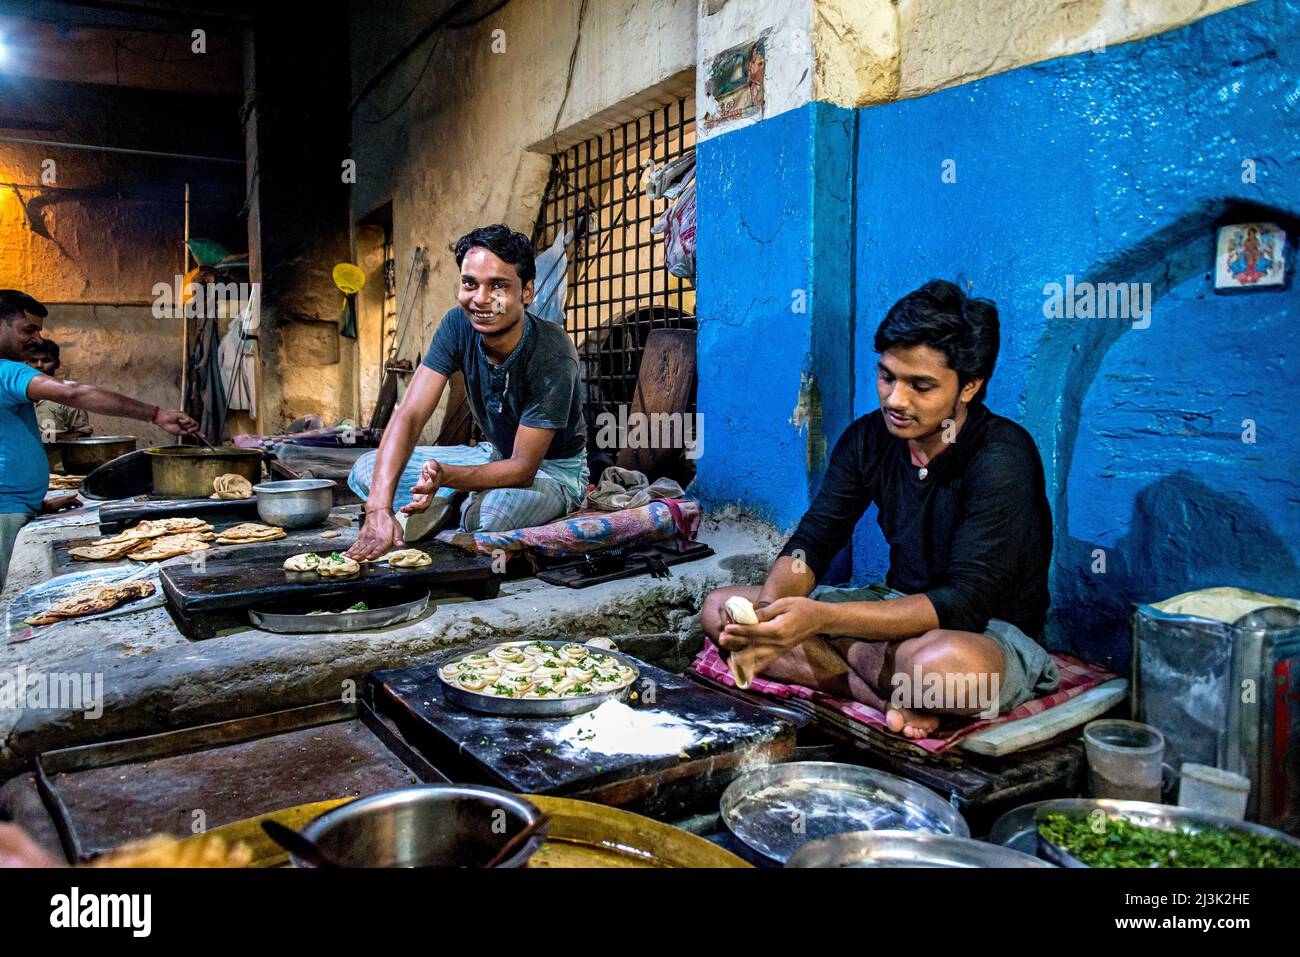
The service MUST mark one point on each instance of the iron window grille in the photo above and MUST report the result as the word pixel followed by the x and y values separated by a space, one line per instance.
pixel 619 288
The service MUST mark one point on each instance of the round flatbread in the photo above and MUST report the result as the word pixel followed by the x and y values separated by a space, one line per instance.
pixel 337 566
pixel 409 558
pixel 169 546
pixel 307 562
pixel 249 532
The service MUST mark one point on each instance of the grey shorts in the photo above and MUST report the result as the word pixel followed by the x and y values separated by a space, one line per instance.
pixel 1028 671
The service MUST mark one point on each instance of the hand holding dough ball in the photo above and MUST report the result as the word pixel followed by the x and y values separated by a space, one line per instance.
pixel 741 610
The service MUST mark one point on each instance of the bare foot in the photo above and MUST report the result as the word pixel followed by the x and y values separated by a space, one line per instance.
pixel 912 724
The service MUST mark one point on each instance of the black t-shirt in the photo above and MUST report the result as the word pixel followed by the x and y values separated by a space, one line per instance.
pixel 975 535
pixel 540 382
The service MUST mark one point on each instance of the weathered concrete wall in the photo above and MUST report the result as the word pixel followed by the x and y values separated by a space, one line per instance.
pixel 471 146
pixel 875 51
pixel 298 230
pixel 123 348
pixel 93 243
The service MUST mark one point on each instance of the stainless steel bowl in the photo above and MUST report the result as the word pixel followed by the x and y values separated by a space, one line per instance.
pixel 435 825
pixel 907 849
pixel 296 503
pixel 1165 817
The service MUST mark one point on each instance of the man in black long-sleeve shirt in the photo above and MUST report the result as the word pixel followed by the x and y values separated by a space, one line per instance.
pixel 961 502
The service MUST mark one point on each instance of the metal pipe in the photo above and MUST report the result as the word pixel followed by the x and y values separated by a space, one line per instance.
pixel 119 149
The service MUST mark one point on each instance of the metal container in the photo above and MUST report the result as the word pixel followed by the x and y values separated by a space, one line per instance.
pixel 289 622
pixel 185 471
pixel 907 849
pixel 535 707
pixel 1189 674
pixel 1166 817
pixel 296 503
pixel 773 811
pixel 437 825
pixel 83 456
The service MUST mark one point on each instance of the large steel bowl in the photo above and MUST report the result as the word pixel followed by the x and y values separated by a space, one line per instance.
pixel 296 503
pixel 83 456
pixel 436 825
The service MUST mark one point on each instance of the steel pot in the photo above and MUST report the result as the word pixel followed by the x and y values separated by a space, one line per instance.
pixel 83 456
pixel 185 471
pixel 295 503
pixel 436 825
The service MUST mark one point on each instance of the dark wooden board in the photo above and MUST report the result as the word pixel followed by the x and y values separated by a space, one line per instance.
pixel 526 755
pixel 244 576
pixel 206 599
pixel 118 515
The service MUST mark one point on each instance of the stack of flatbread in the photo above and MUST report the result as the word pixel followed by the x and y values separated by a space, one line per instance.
pixel 231 486
pixel 91 601
pixel 65 483
pixel 153 536
pixel 248 533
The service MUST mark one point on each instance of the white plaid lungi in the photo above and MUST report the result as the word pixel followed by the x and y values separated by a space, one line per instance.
pixel 557 489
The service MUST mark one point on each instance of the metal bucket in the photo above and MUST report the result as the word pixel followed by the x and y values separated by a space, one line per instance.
pixel 184 471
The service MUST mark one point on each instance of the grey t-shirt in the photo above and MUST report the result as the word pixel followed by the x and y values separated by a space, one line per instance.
pixel 537 384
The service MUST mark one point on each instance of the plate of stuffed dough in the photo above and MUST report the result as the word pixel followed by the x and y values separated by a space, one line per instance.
pixel 337 565
pixel 537 678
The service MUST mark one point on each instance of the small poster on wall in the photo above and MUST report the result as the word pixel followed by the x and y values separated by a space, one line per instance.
pixel 1250 256
pixel 734 87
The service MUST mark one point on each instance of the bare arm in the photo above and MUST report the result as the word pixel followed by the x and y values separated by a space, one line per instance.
pixel 88 397
pixel 380 530
pixel 94 399
pixel 401 434
pixel 789 578
pixel 518 471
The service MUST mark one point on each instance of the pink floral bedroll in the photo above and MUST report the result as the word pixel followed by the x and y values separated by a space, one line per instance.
pixel 591 531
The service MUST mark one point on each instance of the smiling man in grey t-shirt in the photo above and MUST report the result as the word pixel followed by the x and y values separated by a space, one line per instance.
pixel 521 377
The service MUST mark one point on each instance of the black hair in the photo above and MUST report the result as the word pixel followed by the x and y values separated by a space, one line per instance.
pixel 46 347
pixel 940 315
pixel 503 242
pixel 14 303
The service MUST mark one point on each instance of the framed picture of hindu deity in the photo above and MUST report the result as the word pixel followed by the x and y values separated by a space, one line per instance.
pixel 1250 256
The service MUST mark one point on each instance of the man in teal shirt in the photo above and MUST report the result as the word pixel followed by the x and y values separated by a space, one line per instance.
pixel 24 477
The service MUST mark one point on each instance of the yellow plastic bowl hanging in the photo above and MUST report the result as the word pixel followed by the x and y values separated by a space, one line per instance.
pixel 349 278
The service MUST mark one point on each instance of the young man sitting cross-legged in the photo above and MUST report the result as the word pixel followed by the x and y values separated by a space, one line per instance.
pixel 961 502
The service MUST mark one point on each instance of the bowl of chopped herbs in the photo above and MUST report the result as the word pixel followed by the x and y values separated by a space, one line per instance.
pixel 1104 833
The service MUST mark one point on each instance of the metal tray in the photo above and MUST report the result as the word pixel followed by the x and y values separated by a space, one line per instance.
pixel 774 811
pixel 907 849
pixel 1166 817
pixel 297 623
pixel 533 707
pixel 102 795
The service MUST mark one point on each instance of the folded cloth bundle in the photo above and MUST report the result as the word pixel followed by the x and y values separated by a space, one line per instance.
pixel 626 488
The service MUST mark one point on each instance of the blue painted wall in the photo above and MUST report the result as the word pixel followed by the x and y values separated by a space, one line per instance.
pixel 1116 165
pixel 772 254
